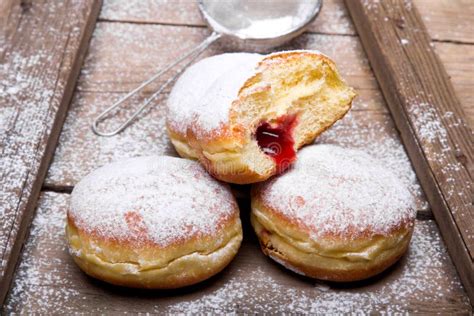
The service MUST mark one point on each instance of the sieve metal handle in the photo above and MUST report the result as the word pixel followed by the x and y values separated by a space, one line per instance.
pixel 193 53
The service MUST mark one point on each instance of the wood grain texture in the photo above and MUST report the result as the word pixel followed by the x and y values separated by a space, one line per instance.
pixel 429 116
pixel 112 65
pixel 40 60
pixel 332 19
pixel 48 281
pixel 370 130
pixel 458 59
pixel 111 69
pixel 448 20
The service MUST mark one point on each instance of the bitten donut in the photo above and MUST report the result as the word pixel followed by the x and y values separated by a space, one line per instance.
pixel 338 215
pixel 244 116
pixel 152 222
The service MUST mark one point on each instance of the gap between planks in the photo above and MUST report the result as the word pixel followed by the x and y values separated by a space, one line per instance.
pixel 428 115
pixel 44 49
pixel 424 281
pixel 104 20
pixel 125 21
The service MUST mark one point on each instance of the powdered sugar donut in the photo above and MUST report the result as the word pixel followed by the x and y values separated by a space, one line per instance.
pixel 152 222
pixel 244 116
pixel 337 215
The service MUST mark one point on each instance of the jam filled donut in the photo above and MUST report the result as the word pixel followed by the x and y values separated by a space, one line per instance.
pixel 152 222
pixel 338 215
pixel 243 116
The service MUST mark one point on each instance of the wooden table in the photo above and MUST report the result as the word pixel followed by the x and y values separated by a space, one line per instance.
pixel 131 39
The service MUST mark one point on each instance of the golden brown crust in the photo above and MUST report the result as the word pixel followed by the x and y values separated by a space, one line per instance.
pixel 329 274
pixel 151 266
pixel 152 222
pixel 334 235
pixel 334 256
pixel 229 153
pixel 236 172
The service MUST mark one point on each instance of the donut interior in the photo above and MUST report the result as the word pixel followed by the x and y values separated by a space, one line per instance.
pixel 292 99
pixel 246 122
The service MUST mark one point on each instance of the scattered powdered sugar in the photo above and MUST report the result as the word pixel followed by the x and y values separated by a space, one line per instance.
pixel 26 110
pixel 335 190
pixel 421 281
pixel 204 93
pixel 445 156
pixel 155 11
pixel 371 4
pixel 333 19
pixel 157 198
pixel 428 124
pixel 34 71
pixel 48 280
pixel 431 128
pixel 42 282
pixel 147 136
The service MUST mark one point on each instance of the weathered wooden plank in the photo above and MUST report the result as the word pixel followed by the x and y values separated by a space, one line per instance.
pixel 112 66
pixel 428 114
pixel 182 12
pixel 370 130
pixel 332 19
pixel 77 141
pixel 40 63
pixel 458 59
pixel 448 20
pixel 47 281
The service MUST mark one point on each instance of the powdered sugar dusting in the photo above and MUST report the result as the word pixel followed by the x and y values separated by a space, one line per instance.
pixel 156 11
pixel 202 97
pixel 377 136
pixel 30 88
pixel 433 127
pixel 204 93
pixel 146 137
pixel 112 68
pixel 48 280
pixel 159 199
pixel 427 122
pixel 43 264
pixel 342 191
pixel 22 126
pixel 418 284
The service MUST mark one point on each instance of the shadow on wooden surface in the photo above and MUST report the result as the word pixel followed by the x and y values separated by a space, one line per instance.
pixel 48 280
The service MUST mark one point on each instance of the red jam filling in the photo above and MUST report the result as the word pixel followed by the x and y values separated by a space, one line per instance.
pixel 276 140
